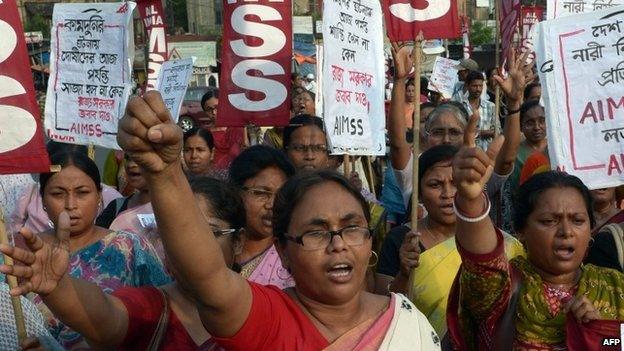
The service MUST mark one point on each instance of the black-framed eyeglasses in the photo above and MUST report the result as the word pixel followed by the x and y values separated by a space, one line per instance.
pixel 260 194
pixel 319 239
pixel 317 149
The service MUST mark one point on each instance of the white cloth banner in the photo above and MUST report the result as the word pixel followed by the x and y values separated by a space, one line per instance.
pixel 562 8
pixel 444 76
pixel 172 83
pixel 353 87
pixel 582 73
pixel 90 72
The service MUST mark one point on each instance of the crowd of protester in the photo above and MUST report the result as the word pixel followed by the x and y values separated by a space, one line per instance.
pixel 243 239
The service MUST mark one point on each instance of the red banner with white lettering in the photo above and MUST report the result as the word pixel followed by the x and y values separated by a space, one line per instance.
pixel 530 16
pixel 21 137
pixel 152 13
pixel 509 16
pixel 256 63
pixel 438 19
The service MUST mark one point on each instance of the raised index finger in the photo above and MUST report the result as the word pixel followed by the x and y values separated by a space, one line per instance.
pixel 470 134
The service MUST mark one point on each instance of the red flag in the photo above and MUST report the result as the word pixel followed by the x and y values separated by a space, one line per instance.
pixel 509 15
pixel 255 63
pixel 438 19
pixel 152 16
pixel 21 139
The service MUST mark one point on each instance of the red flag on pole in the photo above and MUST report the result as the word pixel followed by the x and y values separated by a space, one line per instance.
pixel 509 17
pixel 255 63
pixel 438 19
pixel 21 139
pixel 152 16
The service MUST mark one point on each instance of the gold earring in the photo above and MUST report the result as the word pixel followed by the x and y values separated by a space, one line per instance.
pixel 373 253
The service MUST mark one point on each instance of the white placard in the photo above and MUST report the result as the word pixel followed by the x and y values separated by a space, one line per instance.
pixel 172 83
pixel 90 72
pixel 353 87
pixel 581 67
pixel 562 8
pixel 444 76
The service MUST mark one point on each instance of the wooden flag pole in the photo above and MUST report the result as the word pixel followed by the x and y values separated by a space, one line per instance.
pixel 353 159
pixel 12 280
pixel 417 58
pixel 346 165
pixel 497 95
pixel 371 180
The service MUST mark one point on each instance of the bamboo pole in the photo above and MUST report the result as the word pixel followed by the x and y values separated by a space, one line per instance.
pixel 371 180
pixel 346 165
pixel 91 152
pixel 12 280
pixel 497 95
pixel 417 58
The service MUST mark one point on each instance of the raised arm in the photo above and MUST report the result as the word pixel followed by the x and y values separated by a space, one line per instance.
pixel 472 168
pixel 102 319
pixel 150 137
pixel 519 75
pixel 400 150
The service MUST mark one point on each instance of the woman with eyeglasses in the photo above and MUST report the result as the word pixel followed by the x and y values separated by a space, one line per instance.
pixel 305 143
pixel 134 318
pixel 259 172
pixel 320 223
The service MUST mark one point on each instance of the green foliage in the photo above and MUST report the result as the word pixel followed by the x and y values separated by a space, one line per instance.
pixel 481 34
pixel 37 23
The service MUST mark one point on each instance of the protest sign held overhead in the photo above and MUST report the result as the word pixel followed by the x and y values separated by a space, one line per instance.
pixel 562 8
pixel 444 76
pixel 255 63
pixel 353 89
pixel 172 83
pixel 90 72
pixel 21 140
pixel 152 13
pixel 438 19
pixel 530 16
pixel 585 94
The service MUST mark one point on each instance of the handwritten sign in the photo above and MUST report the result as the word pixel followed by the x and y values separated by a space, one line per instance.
pixel 90 72
pixel 562 8
pixel 172 83
pixel 21 140
pixel 353 88
pixel 581 61
pixel 444 76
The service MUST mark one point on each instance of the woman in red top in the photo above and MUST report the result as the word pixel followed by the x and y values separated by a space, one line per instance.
pixel 128 319
pixel 321 225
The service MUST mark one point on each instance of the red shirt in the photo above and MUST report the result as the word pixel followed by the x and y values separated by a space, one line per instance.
pixel 144 305
pixel 228 144
pixel 275 322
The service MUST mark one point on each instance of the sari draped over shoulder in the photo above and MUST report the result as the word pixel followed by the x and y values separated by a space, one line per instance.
pixel 482 293
pixel 434 277
pixel 266 269
pixel 117 260
pixel 401 327
pixel 140 220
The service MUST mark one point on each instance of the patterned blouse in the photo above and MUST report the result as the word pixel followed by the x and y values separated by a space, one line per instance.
pixel 119 259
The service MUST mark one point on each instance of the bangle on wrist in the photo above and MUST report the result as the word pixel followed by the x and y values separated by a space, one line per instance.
pixel 512 112
pixel 465 218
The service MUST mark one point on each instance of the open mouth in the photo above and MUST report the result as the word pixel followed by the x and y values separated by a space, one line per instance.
pixel 267 221
pixel 340 273
pixel 447 208
pixel 564 252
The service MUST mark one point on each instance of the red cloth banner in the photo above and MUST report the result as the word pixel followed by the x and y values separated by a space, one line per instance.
pixel 255 63
pixel 21 137
pixel 529 17
pixel 438 19
pixel 152 13
pixel 509 16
